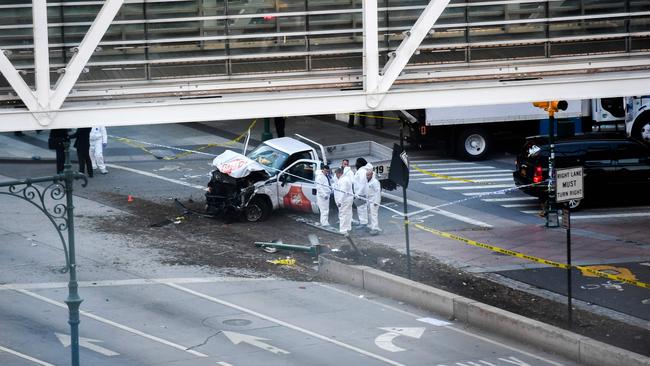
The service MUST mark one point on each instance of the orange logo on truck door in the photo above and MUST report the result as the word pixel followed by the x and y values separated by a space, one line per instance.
pixel 297 200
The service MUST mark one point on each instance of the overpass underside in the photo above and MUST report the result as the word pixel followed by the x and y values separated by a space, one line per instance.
pixel 73 63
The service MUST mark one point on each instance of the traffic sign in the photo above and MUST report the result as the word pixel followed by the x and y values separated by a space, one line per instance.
pixel 569 184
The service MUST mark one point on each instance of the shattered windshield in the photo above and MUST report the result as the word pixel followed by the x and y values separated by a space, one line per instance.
pixel 270 158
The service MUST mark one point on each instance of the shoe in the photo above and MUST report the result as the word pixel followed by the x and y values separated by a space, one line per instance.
pixel 103 171
pixel 374 232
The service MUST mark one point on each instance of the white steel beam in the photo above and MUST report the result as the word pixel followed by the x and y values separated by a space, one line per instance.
pixel 410 43
pixel 318 101
pixel 41 53
pixel 85 50
pixel 370 46
pixel 17 83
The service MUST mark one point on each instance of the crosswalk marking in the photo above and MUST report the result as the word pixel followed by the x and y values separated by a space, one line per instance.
pixel 486 186
pixel 507 199
pixel 423 176
pixel 446 181
pixel 443 164
pixel 460 170
pixel 513 205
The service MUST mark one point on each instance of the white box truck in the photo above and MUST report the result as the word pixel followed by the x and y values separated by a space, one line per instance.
pixel 471 132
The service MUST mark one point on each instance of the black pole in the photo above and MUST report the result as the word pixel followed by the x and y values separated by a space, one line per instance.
pixel 406 216
pixel 73 301
pixel 568 261
pixel 550 203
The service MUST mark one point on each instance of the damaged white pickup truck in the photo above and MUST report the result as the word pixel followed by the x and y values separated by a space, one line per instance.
pixel 279 173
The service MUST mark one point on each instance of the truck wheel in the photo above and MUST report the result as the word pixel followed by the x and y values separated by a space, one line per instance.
pixel 641 128
pixel 257 210
pixel 474 144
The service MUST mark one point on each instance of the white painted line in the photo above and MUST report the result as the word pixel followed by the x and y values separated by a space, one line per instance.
pixel 446 181
pixel 423 206
pixel 114 324
pixel 508 199
pixel 132 282
pixel 513 205
pixel 25 357
pixel 609 216
pixel 419 174
pixel 284 324
pixel 532 212
pixel 484 175
pixel 152 175
pixel 432 161
pixel 223 363
pixel 487 186
pixel 445 164
pixel 434 321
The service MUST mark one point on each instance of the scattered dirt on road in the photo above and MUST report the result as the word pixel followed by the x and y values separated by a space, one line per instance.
pixel 229 247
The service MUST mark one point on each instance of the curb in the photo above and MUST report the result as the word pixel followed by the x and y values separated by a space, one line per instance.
pixel 562 342
pixel 26 160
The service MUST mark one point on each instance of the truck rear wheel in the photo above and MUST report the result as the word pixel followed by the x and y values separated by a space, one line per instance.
pixel 258 209
pixel 641 127
pixel 474 144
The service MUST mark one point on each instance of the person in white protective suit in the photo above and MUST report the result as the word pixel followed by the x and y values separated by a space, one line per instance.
pixel 374 199
pixel 343 197
pixel 323 193
pixel 98 140
pixel 361 190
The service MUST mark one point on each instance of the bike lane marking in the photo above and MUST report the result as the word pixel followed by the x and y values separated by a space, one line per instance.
pixel 283 323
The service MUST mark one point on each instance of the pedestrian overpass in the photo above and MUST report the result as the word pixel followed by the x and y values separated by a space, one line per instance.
pixel 71 63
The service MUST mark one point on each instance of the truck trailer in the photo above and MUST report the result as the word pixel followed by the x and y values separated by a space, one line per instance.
pixel 472 132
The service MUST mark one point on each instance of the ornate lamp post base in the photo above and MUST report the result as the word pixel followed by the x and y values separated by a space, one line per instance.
pixel 61 215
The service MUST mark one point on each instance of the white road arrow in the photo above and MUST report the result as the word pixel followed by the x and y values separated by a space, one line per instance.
pixel 237 338
pixel 86 343
pixel 385 341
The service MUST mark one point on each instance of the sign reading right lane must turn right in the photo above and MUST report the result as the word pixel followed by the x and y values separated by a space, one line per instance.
pixel 569 184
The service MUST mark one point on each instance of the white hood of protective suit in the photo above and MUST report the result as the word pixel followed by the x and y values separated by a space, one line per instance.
pixel 236 165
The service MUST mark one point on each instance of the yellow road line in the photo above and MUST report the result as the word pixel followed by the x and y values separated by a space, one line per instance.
pixel 530 257
pixel 377 117
pixel 436 175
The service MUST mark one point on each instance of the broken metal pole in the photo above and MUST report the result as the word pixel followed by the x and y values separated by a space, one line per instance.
pixel 311 249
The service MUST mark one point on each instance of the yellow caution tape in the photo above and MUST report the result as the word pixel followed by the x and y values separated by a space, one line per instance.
pixel 436 175
pixel 513 253
pixel 143 146
pixel 283 262
pixel 376 117
pixel 610 276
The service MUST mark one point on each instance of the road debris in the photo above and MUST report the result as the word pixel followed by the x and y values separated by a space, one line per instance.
pixel 283 262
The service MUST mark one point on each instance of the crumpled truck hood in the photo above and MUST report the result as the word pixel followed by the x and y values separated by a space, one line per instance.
pixel 236 165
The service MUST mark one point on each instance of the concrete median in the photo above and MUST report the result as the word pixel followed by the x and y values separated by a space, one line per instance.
pixel 568 344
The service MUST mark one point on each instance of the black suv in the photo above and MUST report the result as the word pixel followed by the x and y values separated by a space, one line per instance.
pixel 613 165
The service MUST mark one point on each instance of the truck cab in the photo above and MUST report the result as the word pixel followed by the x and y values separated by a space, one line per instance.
pixel 292 165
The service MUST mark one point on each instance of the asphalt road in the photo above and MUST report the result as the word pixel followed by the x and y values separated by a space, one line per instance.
pixel 137 311
pixel 146 313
